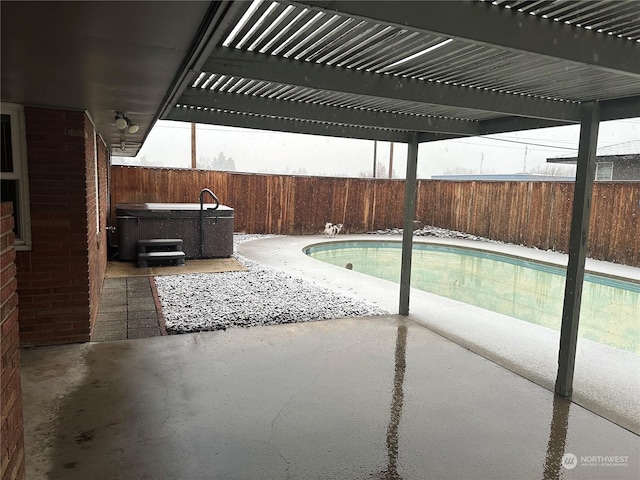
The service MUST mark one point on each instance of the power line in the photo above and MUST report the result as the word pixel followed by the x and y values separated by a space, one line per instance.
pixel 554 147
pixel 621 143
pixel 541 147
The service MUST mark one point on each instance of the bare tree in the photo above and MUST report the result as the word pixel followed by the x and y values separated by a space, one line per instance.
pixel 555 170
pixel 381 171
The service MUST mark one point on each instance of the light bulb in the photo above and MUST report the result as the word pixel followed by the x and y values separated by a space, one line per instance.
pixel 121 123
pixel 133 128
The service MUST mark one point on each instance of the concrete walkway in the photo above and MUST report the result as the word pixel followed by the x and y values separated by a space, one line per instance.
pixel 127 310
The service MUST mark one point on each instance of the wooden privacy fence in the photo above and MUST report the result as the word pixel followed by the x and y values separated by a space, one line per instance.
pixel 535 214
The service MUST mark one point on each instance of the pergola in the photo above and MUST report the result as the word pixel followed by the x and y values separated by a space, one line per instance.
pixel 411 72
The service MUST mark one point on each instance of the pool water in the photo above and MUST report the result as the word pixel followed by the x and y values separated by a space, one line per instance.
pixel 527 290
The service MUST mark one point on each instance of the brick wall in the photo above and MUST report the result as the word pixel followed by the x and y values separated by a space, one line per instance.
pixel 11 430
pixel 59 280
pixel 97 209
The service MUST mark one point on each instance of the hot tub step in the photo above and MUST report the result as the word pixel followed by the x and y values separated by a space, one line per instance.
pixel 172 257
pixel 159 244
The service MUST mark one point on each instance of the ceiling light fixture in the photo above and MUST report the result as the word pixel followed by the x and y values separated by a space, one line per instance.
pixel 123 122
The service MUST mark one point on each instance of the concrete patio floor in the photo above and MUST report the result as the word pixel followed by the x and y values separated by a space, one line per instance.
pixel 370 398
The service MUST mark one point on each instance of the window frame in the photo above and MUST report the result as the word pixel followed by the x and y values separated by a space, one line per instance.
pixel 603 166
pixel 20 172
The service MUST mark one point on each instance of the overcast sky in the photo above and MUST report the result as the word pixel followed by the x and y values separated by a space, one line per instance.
pixel 169 144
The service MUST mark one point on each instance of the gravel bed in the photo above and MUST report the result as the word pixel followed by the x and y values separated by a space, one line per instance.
pixel 259 296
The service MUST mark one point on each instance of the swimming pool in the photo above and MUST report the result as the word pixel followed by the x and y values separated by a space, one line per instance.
pixel 524 289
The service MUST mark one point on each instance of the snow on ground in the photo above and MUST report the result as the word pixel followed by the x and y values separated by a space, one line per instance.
pixel 259 296
pixel 429 231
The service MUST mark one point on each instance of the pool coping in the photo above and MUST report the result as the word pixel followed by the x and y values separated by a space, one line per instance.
pixel 617 271
pixel 606 379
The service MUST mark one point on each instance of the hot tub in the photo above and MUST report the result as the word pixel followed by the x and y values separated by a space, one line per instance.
pixel 137 221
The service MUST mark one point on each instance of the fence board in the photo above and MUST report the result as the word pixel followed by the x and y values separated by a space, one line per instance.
pixel 537 214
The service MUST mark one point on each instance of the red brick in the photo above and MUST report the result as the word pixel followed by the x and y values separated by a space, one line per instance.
pixel 42 292
pixel 76 332
pixel 6 224
pixel 10 359
pixel 7 274
pixel 45 115
pixel 11 430
pixel 6 208
pixel 55 311
pixel 15 469
pixel 8 289
pixel 6 241
pixel 9 305
pixel 9 322
pixel 7 258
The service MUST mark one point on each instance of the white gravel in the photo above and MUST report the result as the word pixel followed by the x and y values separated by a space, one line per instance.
pixel 259 296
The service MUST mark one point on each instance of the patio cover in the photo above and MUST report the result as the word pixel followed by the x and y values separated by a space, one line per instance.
pixel 381 70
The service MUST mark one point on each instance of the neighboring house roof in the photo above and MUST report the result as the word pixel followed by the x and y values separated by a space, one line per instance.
pixel 493 177
pixel 625 148
pixel 376 70
pixel 625 151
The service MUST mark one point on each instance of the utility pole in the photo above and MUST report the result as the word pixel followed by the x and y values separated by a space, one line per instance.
pixel 193 146
pixel 375 154
pixel 391 160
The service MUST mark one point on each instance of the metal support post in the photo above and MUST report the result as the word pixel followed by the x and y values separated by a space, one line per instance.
pixel 407 224
pixel 590 118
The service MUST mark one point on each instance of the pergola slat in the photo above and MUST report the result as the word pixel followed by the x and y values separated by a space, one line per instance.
pixel 306 74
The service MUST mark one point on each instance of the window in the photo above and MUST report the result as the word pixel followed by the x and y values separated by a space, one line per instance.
pixel 13 174
pixel 604 171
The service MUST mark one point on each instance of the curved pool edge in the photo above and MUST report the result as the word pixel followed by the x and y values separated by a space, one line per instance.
pixel 554 259
pixel 606 379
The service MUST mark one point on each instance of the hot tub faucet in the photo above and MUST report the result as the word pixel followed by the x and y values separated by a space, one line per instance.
pixel 202 193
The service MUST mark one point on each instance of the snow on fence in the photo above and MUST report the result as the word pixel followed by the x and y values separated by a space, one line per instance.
pixel 536 214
